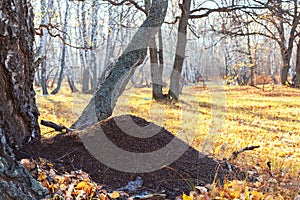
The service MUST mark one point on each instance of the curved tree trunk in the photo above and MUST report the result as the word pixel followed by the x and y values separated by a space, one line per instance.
pixel 180 51
pixel 18 111
pixel 103 102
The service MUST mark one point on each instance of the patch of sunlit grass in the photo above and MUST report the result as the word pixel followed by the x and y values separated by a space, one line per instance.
pixel 269 118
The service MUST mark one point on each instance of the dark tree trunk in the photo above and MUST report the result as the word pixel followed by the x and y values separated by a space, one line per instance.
pixel 154 66
pixel 71 84
pixel 180 51
pixel 70 79
pixel 18 111
pixel 103 102
pixel 251 64
pixel 285 70
pixel 61 73
pixel 160 57
pixel 156 84
pixel 286 52
pixel 157 67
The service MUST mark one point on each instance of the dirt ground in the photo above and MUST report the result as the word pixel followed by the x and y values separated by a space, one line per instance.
pixel 67 152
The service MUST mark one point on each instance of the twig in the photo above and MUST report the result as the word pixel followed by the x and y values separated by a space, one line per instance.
pixel 236 153
pixel 56 126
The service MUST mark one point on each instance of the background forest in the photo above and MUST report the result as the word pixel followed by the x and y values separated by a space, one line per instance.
pixel 242 42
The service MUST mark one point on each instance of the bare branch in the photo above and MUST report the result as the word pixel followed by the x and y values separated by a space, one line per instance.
pixel 173 22
pixel 127 2
pixel 208 11
pixel 49 28
pixel 55 126
pixel 236 153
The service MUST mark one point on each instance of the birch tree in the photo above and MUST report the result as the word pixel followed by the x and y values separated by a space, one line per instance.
pixel 18 111
pixel 63 49
pixel 104 100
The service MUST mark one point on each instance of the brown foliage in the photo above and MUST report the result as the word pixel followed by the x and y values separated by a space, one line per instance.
pixel 262 80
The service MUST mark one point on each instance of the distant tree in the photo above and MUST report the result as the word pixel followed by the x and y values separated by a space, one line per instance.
pixel 284 16
pixel 279 21
pixel 180 50
pixel 93 43
pixel 83 53
pixel 297 75
pixel 156 66
pixel 47 14
pixel 63 50
pixel 156 62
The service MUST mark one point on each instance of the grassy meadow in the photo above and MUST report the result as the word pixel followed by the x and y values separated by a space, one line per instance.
pixel 217 120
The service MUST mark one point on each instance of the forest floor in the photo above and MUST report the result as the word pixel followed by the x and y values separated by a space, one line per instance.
pixel 220 119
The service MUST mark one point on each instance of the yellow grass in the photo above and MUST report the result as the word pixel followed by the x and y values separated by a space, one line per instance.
pixel 217 120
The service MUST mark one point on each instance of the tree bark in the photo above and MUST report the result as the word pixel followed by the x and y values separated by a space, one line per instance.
pixel 251 63
pixel 48 11
pixel 160 58
pixel 18 111
pixel 286 52
pixel 94 33
pixel 154 66
pixel 155 72
pixel 83 53
pixel 16 183
pixel 180 51
pixel 103 102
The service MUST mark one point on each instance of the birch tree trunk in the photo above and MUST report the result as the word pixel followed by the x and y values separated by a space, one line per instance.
pixel 94 32
pixel 83 53
pixel 109 56
pixel 103 102
pixel 18 111
pixel 47 11
pixel 63 51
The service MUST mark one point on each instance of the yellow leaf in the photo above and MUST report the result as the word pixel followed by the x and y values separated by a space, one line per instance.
pixel 50 165
pixel 256 195
pixel 114 195
pixel 81 185
pixel 42 177
pixel 55 15
pixel 85 186
pixel 186 197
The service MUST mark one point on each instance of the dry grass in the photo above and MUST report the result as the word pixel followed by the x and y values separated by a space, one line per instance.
pixel 217 120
